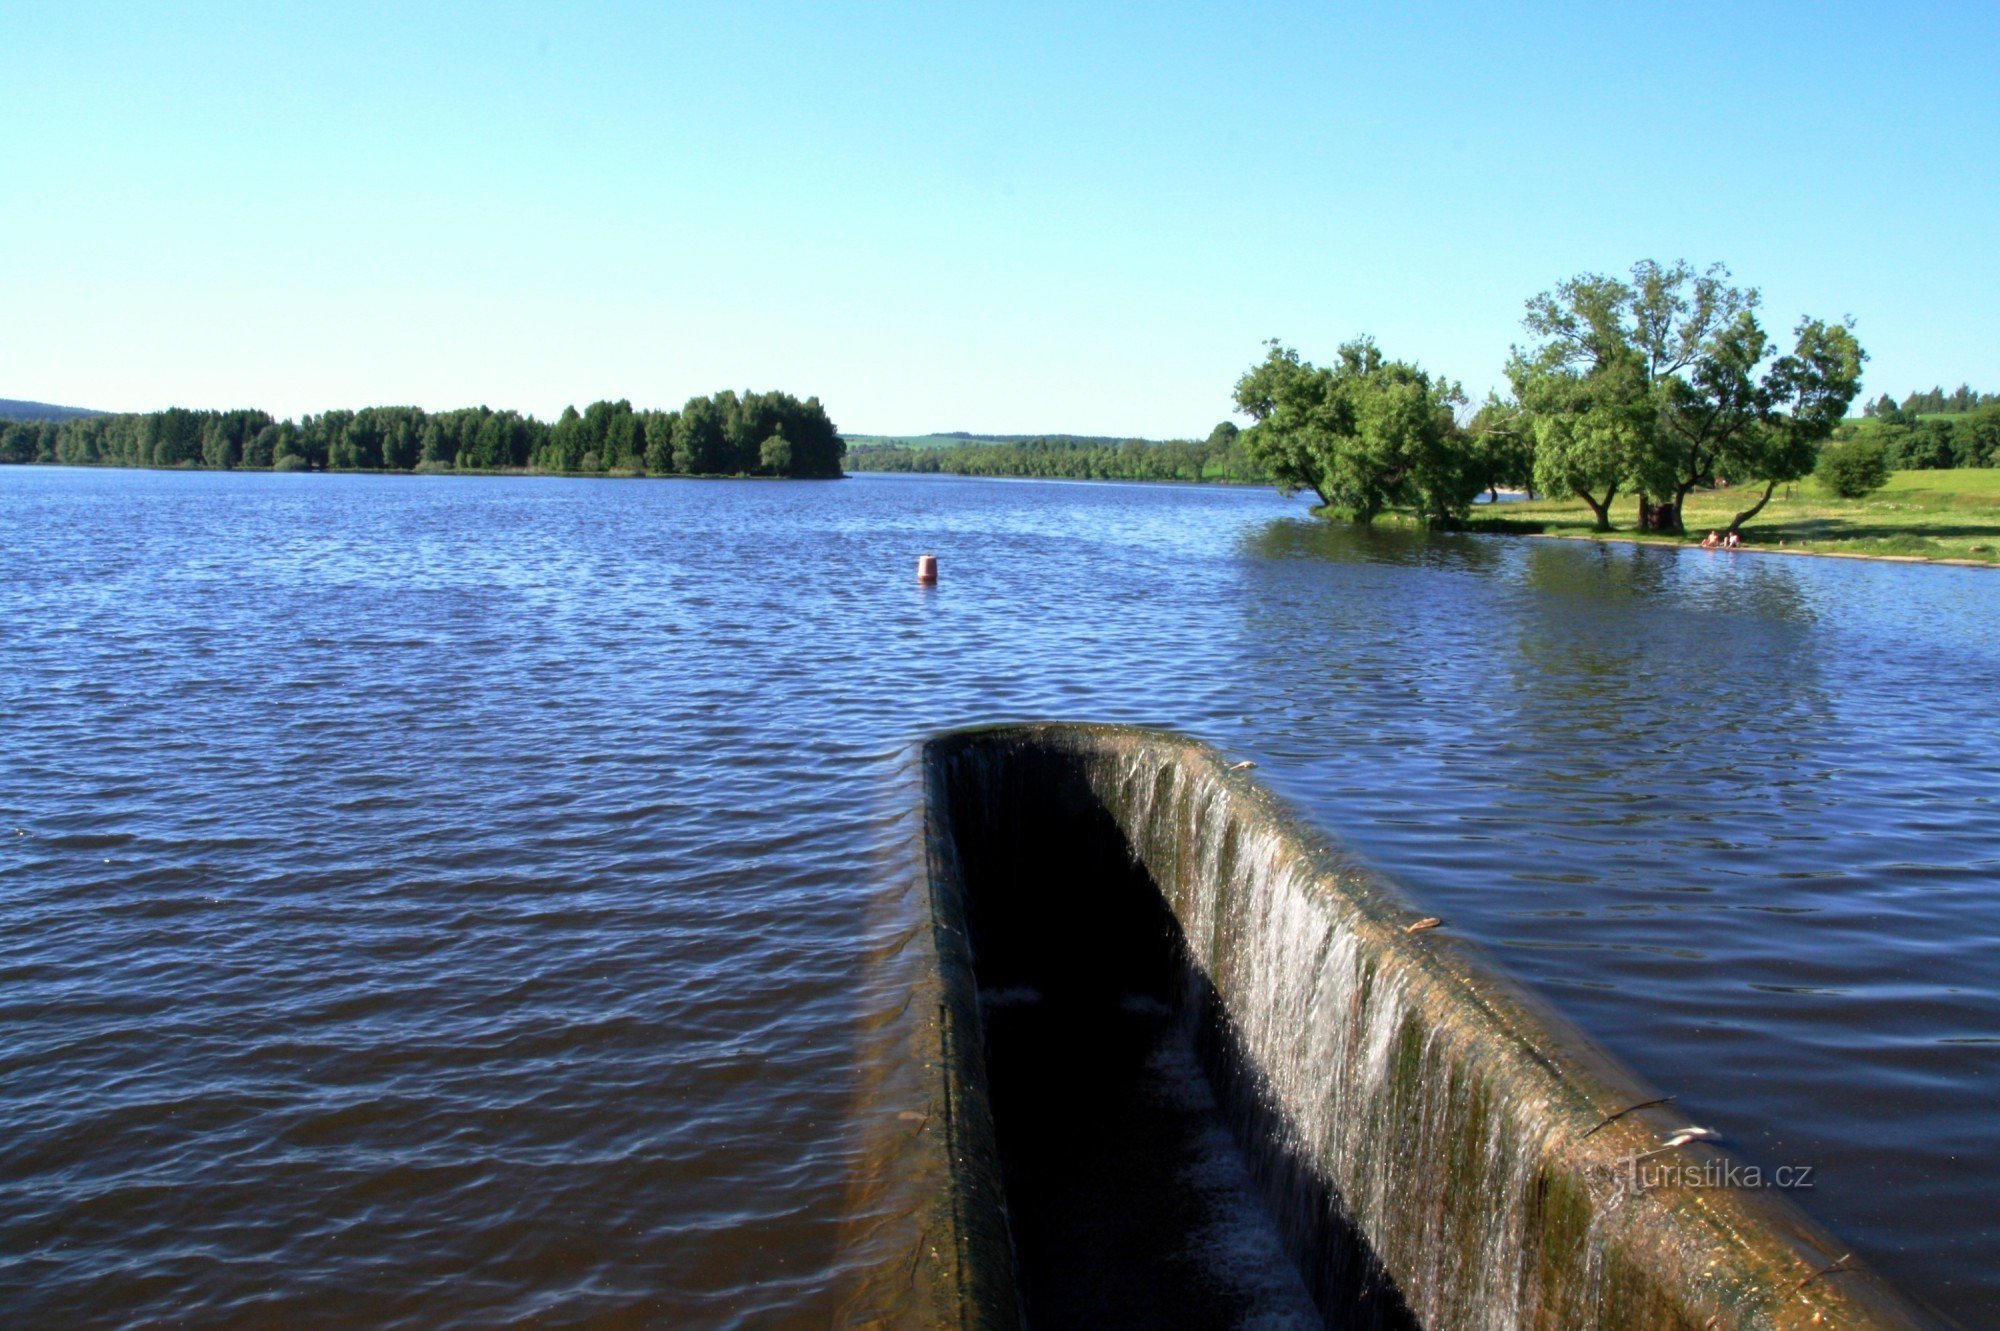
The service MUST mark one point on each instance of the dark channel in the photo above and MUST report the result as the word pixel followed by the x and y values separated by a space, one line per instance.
pixel 1085 981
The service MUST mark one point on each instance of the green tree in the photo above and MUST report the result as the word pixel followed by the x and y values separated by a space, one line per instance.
pixel 1667 382
pixel 568 441
pixel 1852 468
pixel 700 448
pixel 775 455
pixel 1589 421
pixel 1365 434
pixel 660 442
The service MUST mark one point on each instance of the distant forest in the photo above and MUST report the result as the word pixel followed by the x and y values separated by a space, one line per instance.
pixel 724 434
pixel 1930 439
pixel 14 409
pixel 1220 457
pixel 1962 399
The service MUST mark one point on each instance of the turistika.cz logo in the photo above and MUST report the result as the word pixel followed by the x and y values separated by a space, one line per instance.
pixel 1645 1174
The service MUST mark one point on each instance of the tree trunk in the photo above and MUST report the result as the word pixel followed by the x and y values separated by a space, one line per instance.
pixel 1754 509
pixel 1664 516
pixel 1601 511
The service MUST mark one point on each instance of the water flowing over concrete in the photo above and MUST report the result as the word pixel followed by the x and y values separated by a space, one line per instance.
pixel 1433 1145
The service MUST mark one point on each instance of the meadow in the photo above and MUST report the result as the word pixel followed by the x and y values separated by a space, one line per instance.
pixel 1931 515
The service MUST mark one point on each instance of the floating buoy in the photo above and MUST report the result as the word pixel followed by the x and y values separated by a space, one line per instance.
pixel 927 570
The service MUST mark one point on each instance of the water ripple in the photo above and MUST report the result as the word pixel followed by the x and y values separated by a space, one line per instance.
pixel 441 902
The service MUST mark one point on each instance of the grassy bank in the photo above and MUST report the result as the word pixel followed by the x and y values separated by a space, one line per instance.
pixel 1919 514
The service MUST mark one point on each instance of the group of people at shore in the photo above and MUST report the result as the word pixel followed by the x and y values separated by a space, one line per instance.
pixel 1715 540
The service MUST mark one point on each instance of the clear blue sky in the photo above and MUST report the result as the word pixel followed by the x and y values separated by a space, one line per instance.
pixel 1003 217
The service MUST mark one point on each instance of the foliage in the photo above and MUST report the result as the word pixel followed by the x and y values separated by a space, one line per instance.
pixel 1365 434
pixel 1933 443
pixel 1667 383
pixel 1591 424
pixel 1852 468
pixel 725 434
pixel 1503 446
pixel 1221 457
pixel 1962 399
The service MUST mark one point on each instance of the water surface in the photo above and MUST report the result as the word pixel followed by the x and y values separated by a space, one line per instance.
pixel 450 901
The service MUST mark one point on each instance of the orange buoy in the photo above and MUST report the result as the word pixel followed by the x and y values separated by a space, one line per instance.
pixel 927 570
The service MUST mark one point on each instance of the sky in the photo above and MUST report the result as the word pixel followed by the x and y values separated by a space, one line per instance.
pixel 1006 218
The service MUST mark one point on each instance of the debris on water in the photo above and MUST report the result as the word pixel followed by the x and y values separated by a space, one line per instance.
pixel 1835 1269
pixel 1243 766
pixel 1609 1119
pixel 1428 922
pixel 1689 1134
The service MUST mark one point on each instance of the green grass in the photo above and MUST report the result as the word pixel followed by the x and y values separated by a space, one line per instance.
pixel 1919 514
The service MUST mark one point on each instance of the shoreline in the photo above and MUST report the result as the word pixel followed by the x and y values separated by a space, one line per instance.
pixel 1604 538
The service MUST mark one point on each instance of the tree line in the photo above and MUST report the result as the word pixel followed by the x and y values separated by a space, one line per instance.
pixel 1656 385
pixel 1220 457
pixel 722 434
pixel 1909 442
pixel 1961 399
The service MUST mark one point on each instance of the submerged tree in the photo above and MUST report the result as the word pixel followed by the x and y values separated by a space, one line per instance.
pixel 1365 434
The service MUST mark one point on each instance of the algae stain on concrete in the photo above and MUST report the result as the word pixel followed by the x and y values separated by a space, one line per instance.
pixel 1433 1145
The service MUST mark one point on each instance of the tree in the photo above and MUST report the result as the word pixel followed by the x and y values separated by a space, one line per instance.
pixel 1667 382
pixel 431 449
pixel 1806 394
pixel 568 441
pixel 1503 448
pixel 660 441
pixel 1978 437
pixel 1365 434
pixel 699 446
pixel 775 455
pixel 1590 423
pixel 1852 468
pixel 1925 446
pixel 722 434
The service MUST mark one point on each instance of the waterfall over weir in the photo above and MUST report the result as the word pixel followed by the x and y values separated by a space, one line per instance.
pixel 1422 1142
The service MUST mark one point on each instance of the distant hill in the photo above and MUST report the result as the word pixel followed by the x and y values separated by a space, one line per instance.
pixel 13 409
pixel 959 438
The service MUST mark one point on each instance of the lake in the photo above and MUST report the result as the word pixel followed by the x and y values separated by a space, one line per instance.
pixel 441 901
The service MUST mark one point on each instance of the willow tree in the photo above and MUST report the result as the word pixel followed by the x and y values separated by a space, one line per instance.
pixel 1667 383
pixel 1365 434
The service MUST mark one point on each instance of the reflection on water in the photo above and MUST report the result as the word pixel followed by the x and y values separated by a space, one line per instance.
pixel 449 901
pixel 1714 805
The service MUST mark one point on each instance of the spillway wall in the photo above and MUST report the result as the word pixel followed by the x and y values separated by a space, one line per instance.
pixel 1437 1146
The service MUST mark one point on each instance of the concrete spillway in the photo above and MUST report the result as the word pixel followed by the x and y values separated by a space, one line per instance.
pixel 1429 1144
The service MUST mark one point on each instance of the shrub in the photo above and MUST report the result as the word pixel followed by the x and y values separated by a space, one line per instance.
pixel 775 454
pixel 291 462
pixel 1852 468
